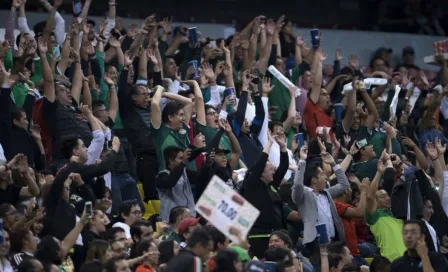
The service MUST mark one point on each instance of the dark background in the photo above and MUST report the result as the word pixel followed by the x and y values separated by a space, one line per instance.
pixel 337 14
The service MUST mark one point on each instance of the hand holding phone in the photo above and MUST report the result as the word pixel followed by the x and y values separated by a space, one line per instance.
pixel 89 209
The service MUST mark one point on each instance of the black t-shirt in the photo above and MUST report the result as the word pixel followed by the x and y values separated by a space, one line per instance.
pixel 10 195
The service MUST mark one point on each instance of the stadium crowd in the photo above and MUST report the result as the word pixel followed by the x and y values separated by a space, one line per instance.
pixel 110 134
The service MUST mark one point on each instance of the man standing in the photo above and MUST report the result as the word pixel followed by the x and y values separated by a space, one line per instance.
pixel 417 257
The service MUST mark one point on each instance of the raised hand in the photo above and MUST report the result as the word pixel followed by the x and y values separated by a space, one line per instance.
pixel 408 142
pixel 152 57
pixel 424 79
pixel 113 42
pixel 22 164
pixel 440 148
pixel 43 49
pixel 270 27
pixel 116 143
pixel 266 86
pixel 187 155
pixel 328 159
pixel 280 141
pixel 303 152
pixel 108 80
pixel 431 150
pixel 128 59
pixel 364 185
pixel 166 26
pixel 322 55
pixel 35 132
pixel 353 62
pixel 338 56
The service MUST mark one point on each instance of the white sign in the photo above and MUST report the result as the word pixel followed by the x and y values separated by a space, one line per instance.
pixel 227 210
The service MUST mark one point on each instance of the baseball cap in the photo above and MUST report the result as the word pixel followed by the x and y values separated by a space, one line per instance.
pixel 186 223
pixel 242 253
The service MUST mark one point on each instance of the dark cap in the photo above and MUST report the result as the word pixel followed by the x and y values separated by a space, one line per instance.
pixel 408 50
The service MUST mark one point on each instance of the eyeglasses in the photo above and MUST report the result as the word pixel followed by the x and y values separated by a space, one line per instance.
pixel 211 113
pixel 136 213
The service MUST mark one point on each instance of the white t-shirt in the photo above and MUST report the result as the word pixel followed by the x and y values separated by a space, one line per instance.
pixel 127 229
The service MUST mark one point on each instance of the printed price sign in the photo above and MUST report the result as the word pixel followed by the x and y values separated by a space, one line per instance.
pixel 226 210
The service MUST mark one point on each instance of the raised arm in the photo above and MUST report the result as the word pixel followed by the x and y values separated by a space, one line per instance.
pixel 78 75
pixel 291 110
pixel 187 102
pixel 297 192
pixel 360 209
pixel 351 107
pixel 284 163
pixel 50 22
pixel 343 183
pixel 49 89
pixel 156 113
pixel 319 58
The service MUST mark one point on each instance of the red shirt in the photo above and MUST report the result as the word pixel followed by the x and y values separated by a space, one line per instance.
pixel 349 223
pixel 145 268
pixel 315 117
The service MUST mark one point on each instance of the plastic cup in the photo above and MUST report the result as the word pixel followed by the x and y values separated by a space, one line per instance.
pixel 338 108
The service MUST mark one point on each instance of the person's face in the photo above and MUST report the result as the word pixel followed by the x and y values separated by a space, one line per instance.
pixel 5 246
pixel 63 95
pixel 31 241
pixel 411 235
pixel 98 221
pixel 22 122
pixel 287 29
pixel 379 104
pixel 268 172
pixel 147 233
pixel 134 215
pixel 107 255
pixel 324 100
pixel 383 199
pixel 190 230
pixel 368 152
pixel 112 73
pixel 177 160
pixel 238 266
pixel 238 53
pixel 245 128
pixel 297 120
pixel 199 140
pixel 118 249
pixel 176 248
pixel 177 119
pixel 328 71
pixel 280 65
pixel 278 131
pixel 307 80
pixel 141 97
pixel 49 179
pixel 122 266
pixel 100 112
pixel 80 151
pixel 203 252
pixel 409 58
pixel 320 179
pixel 91 35
pixel 221 159
pixel 379 65
pixel 275 241
pixel 154 256
pixel 356 122
pixel 37 227
pixel 428 210
pixel 120 236
pixel 12 216
pixel 346 256
pixel 212 118
pixel 170 67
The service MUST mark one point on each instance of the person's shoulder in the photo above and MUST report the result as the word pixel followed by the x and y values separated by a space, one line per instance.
pixel 397 262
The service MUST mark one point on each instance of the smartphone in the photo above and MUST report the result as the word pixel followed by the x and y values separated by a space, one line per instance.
pixel 1 231
pixel 272 266
pixel 361 143
pixel 77 7
pixel 193 35
pixel 89 209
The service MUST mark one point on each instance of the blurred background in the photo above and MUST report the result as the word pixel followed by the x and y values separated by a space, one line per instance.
pixel 428 17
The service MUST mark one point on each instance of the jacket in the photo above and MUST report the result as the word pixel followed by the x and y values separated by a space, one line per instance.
pixel 174 187
pixel 406 198
pixel 306 203
pixel 263 196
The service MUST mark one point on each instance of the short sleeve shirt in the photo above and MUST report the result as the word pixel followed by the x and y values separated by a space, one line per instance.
pixel 349 227
pixel 165 136
pixel 315 117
